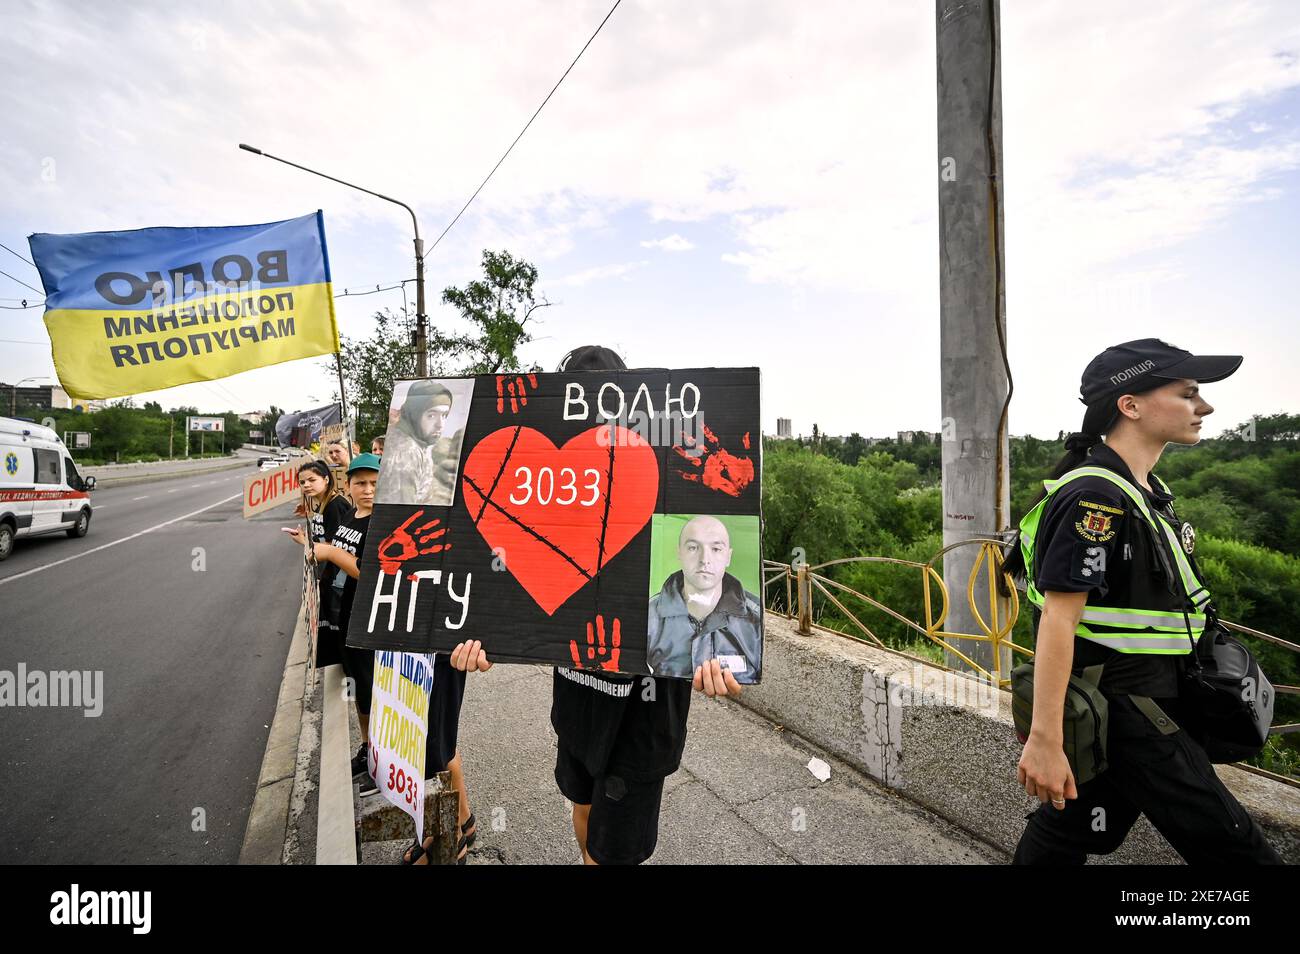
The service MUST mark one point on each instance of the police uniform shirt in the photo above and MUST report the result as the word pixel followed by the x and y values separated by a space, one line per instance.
pixel 1092 540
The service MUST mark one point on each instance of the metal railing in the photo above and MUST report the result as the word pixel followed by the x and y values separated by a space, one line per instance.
pixel 996 620
pixel 994 613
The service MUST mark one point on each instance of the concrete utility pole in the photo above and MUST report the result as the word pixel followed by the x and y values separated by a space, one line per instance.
pixel 972 302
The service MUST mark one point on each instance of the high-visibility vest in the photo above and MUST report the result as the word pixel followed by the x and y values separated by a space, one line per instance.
pixel 1167 623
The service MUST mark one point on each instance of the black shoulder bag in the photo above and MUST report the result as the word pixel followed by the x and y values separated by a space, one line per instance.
pixel 1225 698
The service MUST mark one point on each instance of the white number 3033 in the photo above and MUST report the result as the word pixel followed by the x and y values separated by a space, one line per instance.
pixel 545 489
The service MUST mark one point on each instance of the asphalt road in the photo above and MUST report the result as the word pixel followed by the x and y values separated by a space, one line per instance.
pixel 191 661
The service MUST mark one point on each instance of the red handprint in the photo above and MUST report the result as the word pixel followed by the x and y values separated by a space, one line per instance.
pixel 516 390
pixel 596 647
pixel 717 468
pixel 400 545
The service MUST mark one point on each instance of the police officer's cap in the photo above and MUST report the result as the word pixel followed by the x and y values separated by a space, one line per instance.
pixel 1141 365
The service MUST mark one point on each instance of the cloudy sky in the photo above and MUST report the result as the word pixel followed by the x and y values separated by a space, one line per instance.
pixel 736 182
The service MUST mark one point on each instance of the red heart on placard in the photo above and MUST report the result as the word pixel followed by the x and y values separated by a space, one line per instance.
pixel 546 506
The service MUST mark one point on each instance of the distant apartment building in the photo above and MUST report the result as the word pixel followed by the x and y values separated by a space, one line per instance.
pixel 922 437
pixel 46 397
pixel 783 428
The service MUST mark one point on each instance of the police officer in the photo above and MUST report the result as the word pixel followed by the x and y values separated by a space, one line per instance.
pixel 1111 571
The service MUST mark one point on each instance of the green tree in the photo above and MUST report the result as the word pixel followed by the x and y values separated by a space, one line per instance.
pixel 855 445
pixel 498 308
pixel 370 368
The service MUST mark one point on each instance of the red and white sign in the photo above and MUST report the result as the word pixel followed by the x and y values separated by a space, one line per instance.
pixel 269 489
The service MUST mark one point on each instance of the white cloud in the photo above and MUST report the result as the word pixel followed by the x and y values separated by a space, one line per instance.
pixel 599 273
pixel 812 149
pixel 819 143
pixel 670 243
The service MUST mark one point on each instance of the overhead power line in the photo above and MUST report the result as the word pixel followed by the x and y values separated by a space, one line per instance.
pixel 23 283
pixel 12 252
pixel 525 129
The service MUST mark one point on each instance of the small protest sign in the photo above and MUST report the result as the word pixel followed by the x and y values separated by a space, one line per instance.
pixel 399 718
pixel 269 489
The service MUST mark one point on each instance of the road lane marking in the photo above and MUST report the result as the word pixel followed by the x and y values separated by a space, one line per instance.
pixel 173 490
pixel 134 499
pixel 105 546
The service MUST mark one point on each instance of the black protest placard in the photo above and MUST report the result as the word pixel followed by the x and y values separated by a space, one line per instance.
pixel 523 510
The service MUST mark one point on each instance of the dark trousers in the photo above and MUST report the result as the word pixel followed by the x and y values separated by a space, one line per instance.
pixel 1169 779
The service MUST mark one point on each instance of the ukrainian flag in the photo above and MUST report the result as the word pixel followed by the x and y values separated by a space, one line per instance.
pixel 152 308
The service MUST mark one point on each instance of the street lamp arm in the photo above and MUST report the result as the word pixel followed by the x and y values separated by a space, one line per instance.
pixel 420 317
pixel 352 185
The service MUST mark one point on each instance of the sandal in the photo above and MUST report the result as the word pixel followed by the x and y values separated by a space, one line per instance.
pixel 463 846
pixel 412 853
pixel 416 851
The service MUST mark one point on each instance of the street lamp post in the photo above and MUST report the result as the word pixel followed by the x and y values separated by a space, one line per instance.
pixel 421 357
pixel 13 403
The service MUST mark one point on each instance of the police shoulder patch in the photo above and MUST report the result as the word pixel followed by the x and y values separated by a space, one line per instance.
pixel 1096 522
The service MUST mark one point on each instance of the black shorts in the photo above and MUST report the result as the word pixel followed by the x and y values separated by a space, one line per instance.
pixel 359 665
pixel 623 827
pixel 444 715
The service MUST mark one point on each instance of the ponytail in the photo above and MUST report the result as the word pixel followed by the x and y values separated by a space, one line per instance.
pixel 1077 446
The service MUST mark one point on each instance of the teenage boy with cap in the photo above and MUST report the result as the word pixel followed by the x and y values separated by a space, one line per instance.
pixel 1097 550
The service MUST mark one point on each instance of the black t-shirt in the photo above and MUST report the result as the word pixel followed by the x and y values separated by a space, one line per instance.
pixel 633 727
pixel 322 526
pixel 338 590
pixel 1091 540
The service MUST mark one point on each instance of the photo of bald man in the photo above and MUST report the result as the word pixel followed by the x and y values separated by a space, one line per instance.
pixel 701 611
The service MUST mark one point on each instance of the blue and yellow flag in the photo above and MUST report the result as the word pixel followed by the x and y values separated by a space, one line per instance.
pixel 152 308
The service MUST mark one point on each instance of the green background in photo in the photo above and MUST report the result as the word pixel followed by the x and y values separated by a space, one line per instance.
pixel 746 554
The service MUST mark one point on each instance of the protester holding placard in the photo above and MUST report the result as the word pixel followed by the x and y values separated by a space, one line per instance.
pixel 325 509
pixel 619 736
pixel 339 571
pixel 336 454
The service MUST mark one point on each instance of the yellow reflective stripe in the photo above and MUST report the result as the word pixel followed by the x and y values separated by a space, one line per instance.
pixel 1190 583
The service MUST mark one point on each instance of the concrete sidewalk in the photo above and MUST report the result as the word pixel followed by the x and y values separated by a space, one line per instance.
pixel 743 794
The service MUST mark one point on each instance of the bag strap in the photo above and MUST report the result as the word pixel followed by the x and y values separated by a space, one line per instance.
pixel 1157 716
pixel 1092 674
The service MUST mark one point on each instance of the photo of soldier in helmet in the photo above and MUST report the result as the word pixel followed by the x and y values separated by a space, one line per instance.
pixel 422 448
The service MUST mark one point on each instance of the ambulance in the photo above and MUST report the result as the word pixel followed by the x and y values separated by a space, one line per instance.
pixel 40 489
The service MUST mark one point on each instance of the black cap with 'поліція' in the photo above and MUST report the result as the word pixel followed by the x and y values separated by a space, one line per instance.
pixel 1137 366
